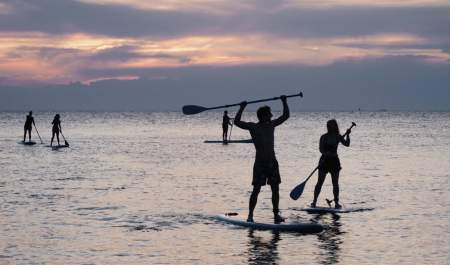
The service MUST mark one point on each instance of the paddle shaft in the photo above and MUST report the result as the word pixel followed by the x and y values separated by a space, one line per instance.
pixel 312 173
pixel 347 132
pixel 256 101
pixel 64 138
pixel 38 133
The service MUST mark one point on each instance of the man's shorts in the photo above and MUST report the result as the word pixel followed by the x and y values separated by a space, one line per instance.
pixel 266 173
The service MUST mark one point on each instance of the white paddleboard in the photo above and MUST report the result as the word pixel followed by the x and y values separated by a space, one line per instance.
pixel 288 227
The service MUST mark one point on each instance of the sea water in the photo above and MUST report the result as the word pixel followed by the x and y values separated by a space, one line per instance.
pixel 143 188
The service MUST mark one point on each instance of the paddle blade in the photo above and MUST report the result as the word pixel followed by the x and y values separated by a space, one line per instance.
pixel 297 191
pixel 67 143
pixel 193 109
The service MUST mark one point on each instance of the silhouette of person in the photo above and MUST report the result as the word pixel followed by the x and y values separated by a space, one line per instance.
pixel 329 161
pixel 265 168
pixel 225 122
pixel 56 128
pixel 29 122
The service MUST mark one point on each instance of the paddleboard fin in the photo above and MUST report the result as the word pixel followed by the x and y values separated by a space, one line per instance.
pixel 329 202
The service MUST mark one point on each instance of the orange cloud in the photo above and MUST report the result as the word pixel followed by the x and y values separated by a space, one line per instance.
pixel 51 58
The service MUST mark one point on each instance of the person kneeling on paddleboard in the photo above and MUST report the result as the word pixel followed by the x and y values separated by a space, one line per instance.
pixel 329 161
pixel 265 168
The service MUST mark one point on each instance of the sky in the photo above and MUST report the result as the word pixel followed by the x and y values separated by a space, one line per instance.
pixel 162 54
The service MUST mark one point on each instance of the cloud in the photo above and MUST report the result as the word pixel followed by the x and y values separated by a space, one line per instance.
pixel 40 41
pixel 128 52
pixel 268 18
pixel 53 17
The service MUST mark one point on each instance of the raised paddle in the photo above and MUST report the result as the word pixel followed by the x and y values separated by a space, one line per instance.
pixel 298 190
pixel 194 109
pixel 38 133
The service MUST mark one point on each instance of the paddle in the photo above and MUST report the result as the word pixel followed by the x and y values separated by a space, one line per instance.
pixel 65 142
pixel 194 109
pixel 298 190
pixel 38 133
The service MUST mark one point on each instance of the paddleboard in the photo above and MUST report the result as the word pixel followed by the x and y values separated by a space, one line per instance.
pixel 27 143
pixel 246 141
pixel 334 210
pixel 287 227
pixel 55 147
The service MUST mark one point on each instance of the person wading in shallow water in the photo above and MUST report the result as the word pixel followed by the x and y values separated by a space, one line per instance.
pixel 56 129
pixel 225 122
pixel 329 161
pixel 28 126
pixel 265 168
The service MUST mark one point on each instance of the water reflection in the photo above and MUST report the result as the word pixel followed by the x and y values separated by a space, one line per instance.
pixel 330 239
pixel 261 250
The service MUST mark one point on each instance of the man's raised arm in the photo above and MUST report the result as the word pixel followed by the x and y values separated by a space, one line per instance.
pixel 285 114
pixel 237 118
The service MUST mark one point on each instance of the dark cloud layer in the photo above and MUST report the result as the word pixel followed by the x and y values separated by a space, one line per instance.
pixel 62 17
pixel 395 83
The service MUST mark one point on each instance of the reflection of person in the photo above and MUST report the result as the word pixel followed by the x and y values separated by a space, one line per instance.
pixel 225 122
pixel 329 161
pixel 265 168
pixel 56 128
pixel 29 122
pixel 262 250
pixel 331 239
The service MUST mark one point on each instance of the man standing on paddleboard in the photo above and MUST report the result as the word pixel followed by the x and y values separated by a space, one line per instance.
pixel 265 168
pixel 28 126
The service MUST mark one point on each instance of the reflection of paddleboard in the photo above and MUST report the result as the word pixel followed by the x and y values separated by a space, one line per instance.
pixel 334 210
pixel 246 141
pixel 289 227
pixel 27 143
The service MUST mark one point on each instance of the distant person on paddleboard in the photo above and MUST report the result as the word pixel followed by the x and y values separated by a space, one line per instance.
pixel 225 122
pixel 56 128
pixel 29 122
pixel 329 161
pixel 265 168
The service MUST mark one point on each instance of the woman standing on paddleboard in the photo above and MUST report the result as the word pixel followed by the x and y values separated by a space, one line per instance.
pixel 56 128
pixel 329 161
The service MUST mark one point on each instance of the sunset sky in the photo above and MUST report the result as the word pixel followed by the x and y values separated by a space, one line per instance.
pixel 58 42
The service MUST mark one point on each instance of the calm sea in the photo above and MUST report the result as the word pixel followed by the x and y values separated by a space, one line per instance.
pixel 143 188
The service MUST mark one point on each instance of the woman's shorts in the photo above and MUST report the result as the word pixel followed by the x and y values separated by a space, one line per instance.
pixel 329 164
